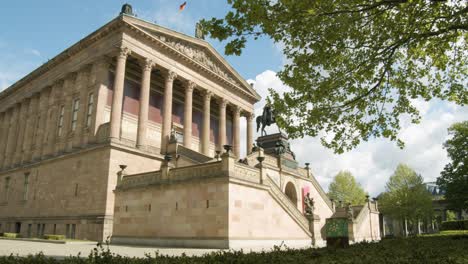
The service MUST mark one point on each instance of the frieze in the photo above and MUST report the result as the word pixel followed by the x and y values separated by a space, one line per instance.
pixel 195 53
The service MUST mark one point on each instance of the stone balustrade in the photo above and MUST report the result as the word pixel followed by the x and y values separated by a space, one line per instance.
pixel 212 169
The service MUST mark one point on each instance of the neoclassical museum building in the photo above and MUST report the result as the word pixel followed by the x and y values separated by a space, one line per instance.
pixel 133 134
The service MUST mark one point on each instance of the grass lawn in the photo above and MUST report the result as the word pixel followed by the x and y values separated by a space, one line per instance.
pixel 446 249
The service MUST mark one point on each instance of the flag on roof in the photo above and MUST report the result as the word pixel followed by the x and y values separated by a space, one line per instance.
pixel 182 6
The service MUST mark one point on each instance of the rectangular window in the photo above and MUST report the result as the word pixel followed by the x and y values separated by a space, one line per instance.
pixel 76 108
pixel 67 231
pixel 89 113
pixel 60 121
pixel 38 122
pixel 26 186
pixel 7 187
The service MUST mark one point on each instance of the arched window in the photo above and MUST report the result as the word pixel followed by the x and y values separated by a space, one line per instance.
pixel 290 191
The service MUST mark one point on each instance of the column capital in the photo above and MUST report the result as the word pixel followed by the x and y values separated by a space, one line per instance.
pixel 222 102
pixel 250 116
pixel 207 95
pixel 170 76
pixel 236 109
pixel 124 52
pixel 147 64
pixel 190 86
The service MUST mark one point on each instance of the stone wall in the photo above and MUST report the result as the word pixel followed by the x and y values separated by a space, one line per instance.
pixel 257 220
pixel 66 190
pixel 192 213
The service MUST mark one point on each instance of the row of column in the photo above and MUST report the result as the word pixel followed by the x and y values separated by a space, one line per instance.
pixel 147 66
pixel 29 129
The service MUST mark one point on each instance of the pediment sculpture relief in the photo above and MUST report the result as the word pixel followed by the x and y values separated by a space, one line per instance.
pixel 197 54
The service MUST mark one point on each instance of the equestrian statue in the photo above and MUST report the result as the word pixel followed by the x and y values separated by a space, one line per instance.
pixel 266 119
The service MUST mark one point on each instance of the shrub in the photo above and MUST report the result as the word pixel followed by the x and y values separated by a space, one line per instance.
pixel 54 237
pixel 417 250
pixel 455 225
pixel 11 235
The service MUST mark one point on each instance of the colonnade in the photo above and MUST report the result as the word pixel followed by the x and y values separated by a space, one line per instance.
pixel 169 77
pixel 55 119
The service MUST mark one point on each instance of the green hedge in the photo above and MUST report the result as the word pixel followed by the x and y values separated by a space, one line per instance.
pixel 455 225
pixel 11 235
pixel 54 237
pixel 417 250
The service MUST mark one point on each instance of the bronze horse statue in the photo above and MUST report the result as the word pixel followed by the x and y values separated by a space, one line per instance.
pixel 266 119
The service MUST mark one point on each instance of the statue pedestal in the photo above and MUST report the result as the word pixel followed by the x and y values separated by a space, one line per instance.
pixel 278 145
pixel 314 228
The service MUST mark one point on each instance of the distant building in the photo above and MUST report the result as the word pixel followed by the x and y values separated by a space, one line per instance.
pixel 395 227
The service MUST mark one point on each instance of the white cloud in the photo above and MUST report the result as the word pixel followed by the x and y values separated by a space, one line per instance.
pixel 373 162
pixel 34 52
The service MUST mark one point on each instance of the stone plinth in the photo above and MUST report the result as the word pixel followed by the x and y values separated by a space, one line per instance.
pixel 278 145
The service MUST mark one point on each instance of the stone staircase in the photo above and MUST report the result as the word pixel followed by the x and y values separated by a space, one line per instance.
pixel 288 206
pixel 192 155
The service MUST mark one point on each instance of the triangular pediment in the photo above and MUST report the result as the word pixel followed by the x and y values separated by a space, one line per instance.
pixel 197 50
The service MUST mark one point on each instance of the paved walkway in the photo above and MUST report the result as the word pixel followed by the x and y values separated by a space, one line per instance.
pixel 24 248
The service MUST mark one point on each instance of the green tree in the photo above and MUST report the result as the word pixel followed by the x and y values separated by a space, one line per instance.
pixel 406 196
pixel 354 65
pixel 454 177
pixel 345 188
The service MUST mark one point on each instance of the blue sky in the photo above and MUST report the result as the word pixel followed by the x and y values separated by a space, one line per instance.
pixel 34 31
pixel 31 32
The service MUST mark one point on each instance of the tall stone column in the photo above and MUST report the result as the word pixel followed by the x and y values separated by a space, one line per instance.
pixel 117 98
pixel 222 124
pixel 205 140
pixel 188 114
pixel 236 132
pixel 249 117
pixel 29 130
pixel 12 136
pixel 167 110
pixel 21 127
pixel 144 104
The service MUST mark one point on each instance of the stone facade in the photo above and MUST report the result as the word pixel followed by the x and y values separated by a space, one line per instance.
pixel 120 136
pixel 113 98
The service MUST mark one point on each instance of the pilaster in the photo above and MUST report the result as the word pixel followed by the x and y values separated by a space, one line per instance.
pixel 21 128
pixel 12 136
pixel 100 84
pixel 53 108
pixel 68 105
pixel 82 89
pixel 41 123
pixel 29 130
pixel 4 127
